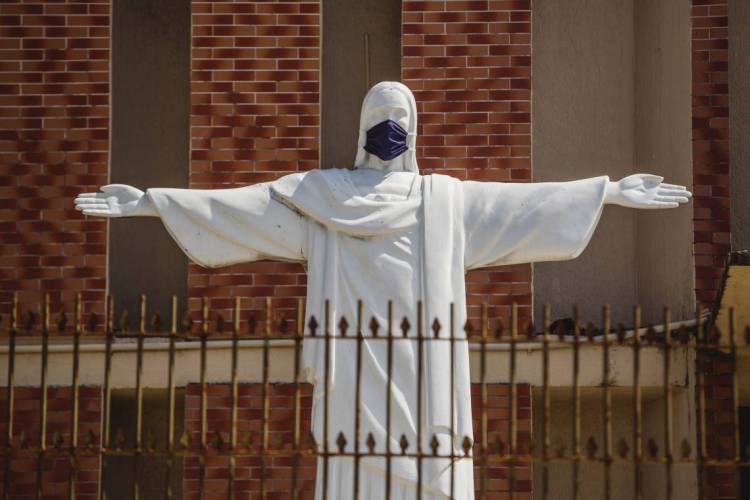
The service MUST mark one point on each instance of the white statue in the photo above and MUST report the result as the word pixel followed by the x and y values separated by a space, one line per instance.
pixel 380 232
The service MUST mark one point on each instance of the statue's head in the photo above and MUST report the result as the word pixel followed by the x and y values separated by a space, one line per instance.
pixel 388 129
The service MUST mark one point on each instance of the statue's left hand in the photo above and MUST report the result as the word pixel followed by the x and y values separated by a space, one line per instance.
pixel 646 191
pixel 116 200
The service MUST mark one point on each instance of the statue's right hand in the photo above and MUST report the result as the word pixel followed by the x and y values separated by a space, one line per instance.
pixel 115 200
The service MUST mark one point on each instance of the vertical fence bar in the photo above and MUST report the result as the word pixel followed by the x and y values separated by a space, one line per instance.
pixel 607 388
pixel 297 414
pixel 265 395
pixel 513 399
pixel 204 400
pixel 388 403
pixel 74 399
pixel 107 395
pixel 327 337
pixel 700 354
pixel 10 396
pixel 668 407
pixel 637 404
pixel 576 401
pixel 171 399
pixel 358 400
pixel 483 383
pixel 234 396
pixel 452 332
pixel 139 400
pixel 10 391
pixel 420 392
pixel 545 404
pixel 735 398
pixel 43 399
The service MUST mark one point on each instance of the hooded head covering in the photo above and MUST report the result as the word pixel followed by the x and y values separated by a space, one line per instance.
pixel 333 198
pixel 384 101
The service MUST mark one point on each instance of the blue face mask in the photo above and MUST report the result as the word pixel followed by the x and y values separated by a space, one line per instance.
pixel 386 140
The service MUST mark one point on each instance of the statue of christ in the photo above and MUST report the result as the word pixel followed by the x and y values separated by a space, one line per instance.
pixel 382 232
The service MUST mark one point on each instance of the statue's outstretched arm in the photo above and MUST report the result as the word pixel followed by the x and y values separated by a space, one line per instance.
pixel 645 191
pixel 116 200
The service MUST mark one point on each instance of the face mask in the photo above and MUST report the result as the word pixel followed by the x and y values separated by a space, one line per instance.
pixel 386 140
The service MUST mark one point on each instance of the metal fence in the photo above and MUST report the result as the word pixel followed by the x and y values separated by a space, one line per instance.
pixel 699 337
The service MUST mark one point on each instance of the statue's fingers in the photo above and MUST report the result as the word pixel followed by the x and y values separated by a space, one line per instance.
pixel 112 187
pixel 670 199
pixel 674 192
pixel 676 189
pixel 679 194
pixel 662 204
pixel 91 203
pixel 82 206
pixel 93 196
pixel 98 212
pixel 673 186
pixel 93 199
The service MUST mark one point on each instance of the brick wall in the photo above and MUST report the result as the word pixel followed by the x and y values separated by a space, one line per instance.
pixel 469 66
pixel 711 220
pixel 249 415
pixel 281 421
pixel 54 109
pixel 710 145
pixel 498 420
pixel 719 482
pixel 255 116
pixel 56 465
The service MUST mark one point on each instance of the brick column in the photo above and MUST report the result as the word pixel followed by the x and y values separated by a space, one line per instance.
pixel 719 482
pixel 710 145
pixel 54 115
pixel 255 117
pixel 469 65
pixel 712 222
pixel 56 465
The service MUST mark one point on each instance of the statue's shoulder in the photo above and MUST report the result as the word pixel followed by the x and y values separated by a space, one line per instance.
pixel 442 179
pixel 307 176
pixel 311 181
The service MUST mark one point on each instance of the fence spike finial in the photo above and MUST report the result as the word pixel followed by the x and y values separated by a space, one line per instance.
pixel 499 329
pixel 436 328
pixel 434 444
pixel 403 443
pixel 374 326
pixel 405 326
pixel 341 442
pixel 343 326
pixel 313 325
pixel 466 444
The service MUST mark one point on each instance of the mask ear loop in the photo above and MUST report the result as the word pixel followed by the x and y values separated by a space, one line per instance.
pixel 411 141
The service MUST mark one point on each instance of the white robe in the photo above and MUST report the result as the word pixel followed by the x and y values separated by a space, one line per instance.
pixel 380 236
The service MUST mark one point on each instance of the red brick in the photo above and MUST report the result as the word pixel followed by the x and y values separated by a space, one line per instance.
pixel 267 54
pixel 56 468
pixel 54 41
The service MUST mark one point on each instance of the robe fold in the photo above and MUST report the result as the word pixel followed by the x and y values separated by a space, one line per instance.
pixel 378 236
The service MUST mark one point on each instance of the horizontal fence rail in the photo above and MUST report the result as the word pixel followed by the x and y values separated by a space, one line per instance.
pixel 508 447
